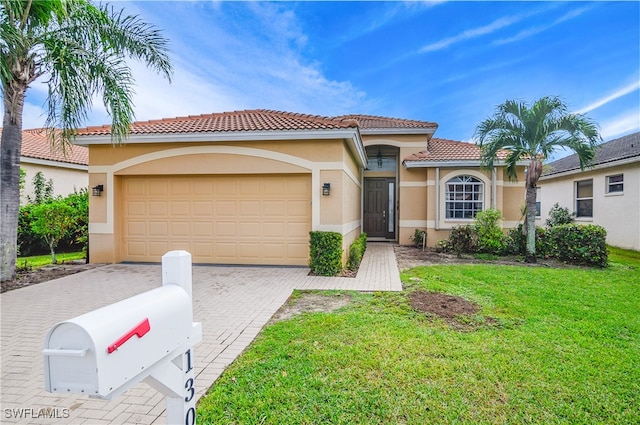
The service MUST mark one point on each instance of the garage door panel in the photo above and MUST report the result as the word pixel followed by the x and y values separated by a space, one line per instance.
pixel 136 208
pixel 203 229
pixel 248 208
pixel 158 248
pixel 225 208
pixel 219 219
pixel 158 229
pixel 275 250
pixel 297 208
pixel 158 188
pixel 158 208
pixel 274 208
pixel 136 228
pixel 202 208
pixel 226 229
pixel 273 230
pixel 180 229
pixel 180 208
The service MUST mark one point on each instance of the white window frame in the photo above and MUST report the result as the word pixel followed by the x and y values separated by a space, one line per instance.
pixel 464 180
pixel 609 184
pixel 583 199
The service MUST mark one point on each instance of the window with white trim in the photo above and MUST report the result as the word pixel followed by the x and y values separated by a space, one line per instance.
pixel 615 184
pixel 584 198
pixel 538 203
pixel 464 197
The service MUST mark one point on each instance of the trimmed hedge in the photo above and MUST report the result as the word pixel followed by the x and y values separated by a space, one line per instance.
pixel 578 244
pixel 325 253
pixel 356 252
pixel 572 243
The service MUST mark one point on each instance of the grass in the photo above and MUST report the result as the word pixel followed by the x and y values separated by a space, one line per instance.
pixel 561 348
pixel 37 261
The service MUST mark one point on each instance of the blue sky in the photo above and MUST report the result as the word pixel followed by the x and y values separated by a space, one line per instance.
pixel 447 62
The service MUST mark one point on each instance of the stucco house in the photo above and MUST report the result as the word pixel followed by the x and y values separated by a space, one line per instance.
pixel 607 194
pixel 68 172
pixel 246 187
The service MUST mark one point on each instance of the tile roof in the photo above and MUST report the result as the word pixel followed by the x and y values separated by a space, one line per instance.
pixel 449 150
pixel 247 120
pixel 260 120
pixel 36 144
pixel 375 122
pixel 614 150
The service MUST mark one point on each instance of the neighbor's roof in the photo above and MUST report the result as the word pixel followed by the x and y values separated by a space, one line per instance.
pixel 444 150
pixel 36 144
pixel 623 148
pixel 260 120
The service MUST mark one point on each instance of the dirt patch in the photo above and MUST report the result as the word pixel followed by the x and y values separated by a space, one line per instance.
pixel 442 305
pixel 310 302
pixel 46 273
pixel 460 313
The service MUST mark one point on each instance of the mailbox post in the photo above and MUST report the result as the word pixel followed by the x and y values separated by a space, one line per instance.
pixel 148 337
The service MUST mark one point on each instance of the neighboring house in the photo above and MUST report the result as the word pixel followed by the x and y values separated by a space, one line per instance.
pixel 246 187
pixel 68 172
pixel 607 194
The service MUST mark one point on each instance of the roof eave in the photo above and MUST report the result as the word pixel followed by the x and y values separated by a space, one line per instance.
pixel 399 131
pixel 453 163
pixel 53 163
pixel 351 134
pixel 599 166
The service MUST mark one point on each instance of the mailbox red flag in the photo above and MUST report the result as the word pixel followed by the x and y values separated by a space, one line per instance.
pixel 140 330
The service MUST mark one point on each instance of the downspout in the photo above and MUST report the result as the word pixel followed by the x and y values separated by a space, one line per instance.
pixel 493 188
pixel 437 215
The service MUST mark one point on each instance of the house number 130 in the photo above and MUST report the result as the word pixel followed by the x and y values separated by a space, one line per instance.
pixel 190 391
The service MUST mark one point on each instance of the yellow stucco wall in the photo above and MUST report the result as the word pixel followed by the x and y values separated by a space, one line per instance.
pixel 323 160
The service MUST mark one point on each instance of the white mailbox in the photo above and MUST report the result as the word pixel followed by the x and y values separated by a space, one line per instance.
pixel 99 352
pixel 148 337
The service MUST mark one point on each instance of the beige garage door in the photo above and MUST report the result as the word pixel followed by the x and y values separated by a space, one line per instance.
pixel 218 219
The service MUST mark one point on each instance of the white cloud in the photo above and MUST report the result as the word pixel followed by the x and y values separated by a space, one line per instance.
pixel 622 124
pixel 471 33
pixel 33 116
pixel 610 98
pixel 536 30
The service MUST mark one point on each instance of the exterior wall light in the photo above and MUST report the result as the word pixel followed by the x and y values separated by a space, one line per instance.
pixel 326 189
pixel 97 190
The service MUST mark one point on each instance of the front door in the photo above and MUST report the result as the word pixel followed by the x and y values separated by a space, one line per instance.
pixel 379 208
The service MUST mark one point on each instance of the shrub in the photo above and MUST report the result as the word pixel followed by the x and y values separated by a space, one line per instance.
pixel 490 238
pixel 419 237
pixel 356 252
pixel 29 243
pixel 52 221
pixel 325 253
pixel 462 239
pixel 579 244
pixel 559 215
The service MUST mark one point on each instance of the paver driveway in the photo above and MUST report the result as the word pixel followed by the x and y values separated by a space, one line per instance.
pixel 233 304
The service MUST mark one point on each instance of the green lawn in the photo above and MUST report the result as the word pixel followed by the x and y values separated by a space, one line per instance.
pixel 45 260
pixel 562 346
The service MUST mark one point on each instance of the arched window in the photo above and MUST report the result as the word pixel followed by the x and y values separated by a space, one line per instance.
pixel 464 197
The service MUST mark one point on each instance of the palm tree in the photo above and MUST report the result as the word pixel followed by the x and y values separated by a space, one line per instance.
pixel 532 134
pixel 81 50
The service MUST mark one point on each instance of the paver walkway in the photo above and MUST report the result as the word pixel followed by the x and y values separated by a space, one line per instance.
pixel 233 304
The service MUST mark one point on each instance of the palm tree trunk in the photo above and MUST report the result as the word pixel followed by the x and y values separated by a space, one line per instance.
pixel 530 256
pixel 10 147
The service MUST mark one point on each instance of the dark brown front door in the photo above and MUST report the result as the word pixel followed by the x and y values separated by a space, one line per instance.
pixel 379 202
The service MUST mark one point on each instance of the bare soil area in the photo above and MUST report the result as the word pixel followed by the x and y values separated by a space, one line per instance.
pixel 46 273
